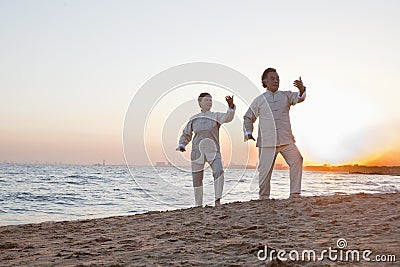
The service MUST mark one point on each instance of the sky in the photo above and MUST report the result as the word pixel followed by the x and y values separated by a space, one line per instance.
pixel 70 69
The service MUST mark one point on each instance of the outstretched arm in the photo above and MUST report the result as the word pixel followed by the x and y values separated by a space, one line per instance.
pixel 186 137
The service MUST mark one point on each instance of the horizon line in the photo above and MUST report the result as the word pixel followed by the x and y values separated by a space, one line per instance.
pixel 327 165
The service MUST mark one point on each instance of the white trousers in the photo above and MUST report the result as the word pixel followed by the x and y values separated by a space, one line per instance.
pixel 198 174
pixel 267 157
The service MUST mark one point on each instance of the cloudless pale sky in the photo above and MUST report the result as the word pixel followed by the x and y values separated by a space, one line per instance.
pixel 69 70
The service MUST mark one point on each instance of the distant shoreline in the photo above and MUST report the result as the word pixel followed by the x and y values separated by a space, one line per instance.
pixel 357 169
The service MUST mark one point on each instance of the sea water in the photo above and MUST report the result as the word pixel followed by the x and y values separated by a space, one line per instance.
pixel 32 193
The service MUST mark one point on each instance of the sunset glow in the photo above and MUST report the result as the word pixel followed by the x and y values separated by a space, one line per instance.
pixel 66 84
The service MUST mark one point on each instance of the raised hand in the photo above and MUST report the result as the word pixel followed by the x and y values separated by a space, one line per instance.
pixel 299 84
pixel 229 100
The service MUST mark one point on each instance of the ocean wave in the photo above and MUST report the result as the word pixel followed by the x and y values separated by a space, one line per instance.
pixel 389 189
pixel 72 191
pixel 50 198
pixel 371 183
pixel 83 177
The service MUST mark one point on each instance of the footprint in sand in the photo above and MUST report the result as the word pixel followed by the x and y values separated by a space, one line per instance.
pixel 166 235
pixel 8 245
pixel 102 239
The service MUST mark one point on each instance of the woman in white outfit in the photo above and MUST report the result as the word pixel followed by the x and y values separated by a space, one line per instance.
pixel 205 145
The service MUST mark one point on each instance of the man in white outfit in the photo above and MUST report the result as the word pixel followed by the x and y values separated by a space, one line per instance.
pixel 274 132
pixel 205 145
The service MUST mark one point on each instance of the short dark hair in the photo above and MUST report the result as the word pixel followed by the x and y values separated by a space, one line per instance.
pixel 265 73
pixel 203 95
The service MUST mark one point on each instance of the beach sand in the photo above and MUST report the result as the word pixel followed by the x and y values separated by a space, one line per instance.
pixel 229 235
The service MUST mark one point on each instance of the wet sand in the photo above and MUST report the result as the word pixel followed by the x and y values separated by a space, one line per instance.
pixel 230 235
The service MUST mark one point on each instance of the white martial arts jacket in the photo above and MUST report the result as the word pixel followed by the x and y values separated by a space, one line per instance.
pixel 272 109
pixel 205 126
